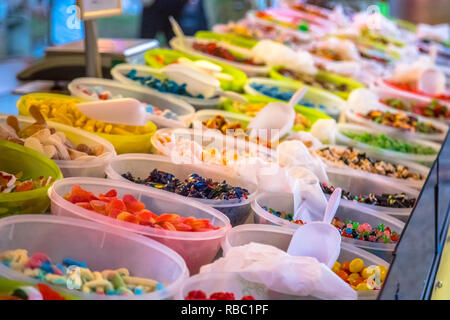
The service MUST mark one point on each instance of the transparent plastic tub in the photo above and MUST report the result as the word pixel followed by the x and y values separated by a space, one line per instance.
pixel 281 237
pixel 332 104
pixel 187 46
pixel 122 143
pixel 324 76
pixel 162 101
pixel 210 139
pixel 354 117
pixel 139 165
pixel 101 247
pixel 413 167
pixel 196 248
pixel 15 158
pixel 75 168
pixel 169 56
pixel 420 158
pixel 119 73
pixel 285 202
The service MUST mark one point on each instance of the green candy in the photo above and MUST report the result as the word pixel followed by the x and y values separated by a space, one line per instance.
pixel 118 282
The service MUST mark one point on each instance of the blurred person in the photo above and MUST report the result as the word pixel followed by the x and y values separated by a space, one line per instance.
pixel 155 17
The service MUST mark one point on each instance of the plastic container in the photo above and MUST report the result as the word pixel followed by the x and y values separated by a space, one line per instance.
pixel 139 165
pixel 15 158
pixel 323 76
pixel 119 73
pixel 285 202
pixel 163 101
pixel 311 114
pixel 281 237
pixel 413 167
pixel 196 248
pixel 353 117
pixel 76 168
pixel 122 143
pixel 332 104
pixel 159 58
pixel 101 247
pixel 187 47
pixel 389 154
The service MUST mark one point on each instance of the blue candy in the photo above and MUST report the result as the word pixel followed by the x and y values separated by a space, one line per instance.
pixel 71 262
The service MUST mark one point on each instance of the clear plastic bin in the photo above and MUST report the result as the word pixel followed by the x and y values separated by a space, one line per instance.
pixel 75 168
pixel 332 104
pixel 390 154
pixel 162 101
pixel 119 73
pixel 281 237
pixel 353 117
pixel 285 202
pixel 197 248
pixel 140 165
pixel 15 158
pixel 413 167
pixel 101 247
pixel 187 46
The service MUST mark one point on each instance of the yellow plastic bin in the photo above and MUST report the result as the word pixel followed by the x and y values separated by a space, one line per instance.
pixel 139 143
pixel 15 158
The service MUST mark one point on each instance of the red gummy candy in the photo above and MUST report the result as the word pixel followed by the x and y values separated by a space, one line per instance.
pixel 196 295
pixel 248 298
pixel 49 294
pixel 132 204
pixel 222 296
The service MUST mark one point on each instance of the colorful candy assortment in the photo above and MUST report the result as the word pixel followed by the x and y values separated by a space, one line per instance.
pixel 219 51
pixel 360 161
pixel 193 186
pixel 364 231
pixel 201 295
pixel 41 138
pixel 220 123
pixel 165 85
pixel 313 80
pixel 10 183
pixel 76 275
pixel 399 200
pixel 131 210
pixel 412 88
pixel 283 215
pixel 360 277
pixel 40 292
pixel 401 121
pixel 66 112
pixel 383 141
pixel 434 109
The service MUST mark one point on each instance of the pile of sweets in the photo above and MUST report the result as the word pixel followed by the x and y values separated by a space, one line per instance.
pixel 223 53
pixel 220 123
pixel 433 109
pixel 359 160
pixel 165 85
pixel 194 186
pixel 382 141
pixel 413 88
pixel 66 112
pixel 10 183
pixel 131 210
pixel 43 139
pixel 398 200
pixel 201 295
pixel 76 275
pixel 41 292
pixel 358 276
pixel 283 215
pixel 401 121
pixel 355 230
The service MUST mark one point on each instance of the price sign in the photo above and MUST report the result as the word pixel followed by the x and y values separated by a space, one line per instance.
pixel 93 9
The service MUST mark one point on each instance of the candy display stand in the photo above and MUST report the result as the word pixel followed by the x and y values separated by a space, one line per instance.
pixel 76 168
pixel 140 143
pixel 197 248
pixel 15 158
pixel 100 247
pixel 140 165
pixel 281 237
pixel 163 101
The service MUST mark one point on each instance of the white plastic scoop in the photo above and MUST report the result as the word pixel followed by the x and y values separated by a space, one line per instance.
pixel 276 119
pixel 177 30
pixel 199 82
pixel 126 111
pixel 320 240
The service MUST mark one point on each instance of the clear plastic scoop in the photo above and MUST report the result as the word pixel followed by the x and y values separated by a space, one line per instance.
pixel 320 240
